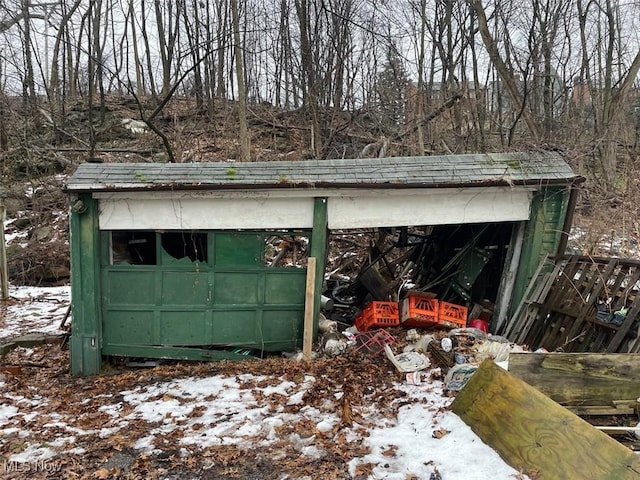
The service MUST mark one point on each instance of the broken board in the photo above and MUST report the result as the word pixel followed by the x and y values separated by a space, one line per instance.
pixel 535 435
pixel 575 379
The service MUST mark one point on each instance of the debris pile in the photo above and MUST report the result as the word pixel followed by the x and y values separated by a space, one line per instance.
pixel 416 276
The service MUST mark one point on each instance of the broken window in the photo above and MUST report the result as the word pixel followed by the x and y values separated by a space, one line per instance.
pixel 185 244
pixel 286 250
pixel 133 247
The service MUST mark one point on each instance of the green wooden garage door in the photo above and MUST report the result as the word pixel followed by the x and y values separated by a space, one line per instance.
pixel 201 289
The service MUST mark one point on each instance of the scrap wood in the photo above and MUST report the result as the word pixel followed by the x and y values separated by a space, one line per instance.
pixel 580 378
pixel 532 432
pixel 618 430
pixel 617 407
pixel 444 360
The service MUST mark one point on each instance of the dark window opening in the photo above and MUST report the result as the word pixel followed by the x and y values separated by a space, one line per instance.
pixel 190 245
pixel 286 251
pixel 134 247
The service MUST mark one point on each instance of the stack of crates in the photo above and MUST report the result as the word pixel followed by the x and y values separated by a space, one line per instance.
pixel 418 311
pixel 378 314
pixel 424 311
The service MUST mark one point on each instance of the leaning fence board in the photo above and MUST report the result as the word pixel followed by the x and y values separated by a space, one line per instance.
pixel 532 433
pixel 580 378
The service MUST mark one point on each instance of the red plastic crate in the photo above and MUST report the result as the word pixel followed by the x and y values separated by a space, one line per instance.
pixel 419 312
pixel 452 315
pixel 378 314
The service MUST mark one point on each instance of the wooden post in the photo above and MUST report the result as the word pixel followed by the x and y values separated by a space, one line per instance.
pixel 309 300
pixel 4 273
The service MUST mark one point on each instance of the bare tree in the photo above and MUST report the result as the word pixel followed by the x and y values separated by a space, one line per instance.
pixel 245 143
pixel 310 80
pixel 609 75
pixel 504 71
pixel 29 86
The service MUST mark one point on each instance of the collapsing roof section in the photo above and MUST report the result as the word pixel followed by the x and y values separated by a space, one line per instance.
pixel 496 169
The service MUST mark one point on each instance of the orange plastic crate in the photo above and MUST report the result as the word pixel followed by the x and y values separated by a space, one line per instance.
pixel 419 312
pixel 452 315
pixel 378 314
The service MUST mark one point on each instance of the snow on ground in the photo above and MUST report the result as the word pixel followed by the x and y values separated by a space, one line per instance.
pixel 34 310
pixel 248 411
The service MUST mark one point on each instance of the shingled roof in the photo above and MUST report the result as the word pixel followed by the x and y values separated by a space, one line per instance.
pixel 520 168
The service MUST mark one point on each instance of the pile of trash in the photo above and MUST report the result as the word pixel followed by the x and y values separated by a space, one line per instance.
pixel 413 351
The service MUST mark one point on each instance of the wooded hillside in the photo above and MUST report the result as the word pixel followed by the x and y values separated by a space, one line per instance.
pixel 184 81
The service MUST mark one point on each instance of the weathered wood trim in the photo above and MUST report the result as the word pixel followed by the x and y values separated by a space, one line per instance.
pixel 507 283
pixel 86 334
pixel 430 207
pixel 205 214
pixel 532 433
pixel 318 249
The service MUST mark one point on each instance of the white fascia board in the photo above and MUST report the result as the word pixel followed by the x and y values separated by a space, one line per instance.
pixel 204 214
pixel 431 207
pixel 293 208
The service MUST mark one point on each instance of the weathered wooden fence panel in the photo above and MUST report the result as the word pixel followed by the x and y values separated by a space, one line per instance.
pixel 572 307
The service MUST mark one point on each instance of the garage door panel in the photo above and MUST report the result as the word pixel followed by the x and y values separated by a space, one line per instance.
pixel 235 327
pixel 128 327
pixel 130 287
pixel 236 288
pixel 184 328
pixel 185 288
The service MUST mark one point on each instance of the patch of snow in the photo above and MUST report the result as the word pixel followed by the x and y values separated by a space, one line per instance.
pixel 32 454
pixel 38 310
pixel 6 412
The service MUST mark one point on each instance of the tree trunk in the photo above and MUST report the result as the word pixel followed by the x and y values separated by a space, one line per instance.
pixel 503 70
pixel 302 10
pixel 245 142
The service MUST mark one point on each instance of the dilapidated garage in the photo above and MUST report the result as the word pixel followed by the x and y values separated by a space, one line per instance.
pixel 184 260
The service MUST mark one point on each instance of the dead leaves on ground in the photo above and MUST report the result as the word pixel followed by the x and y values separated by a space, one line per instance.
pixel 441 432
pixel 344 388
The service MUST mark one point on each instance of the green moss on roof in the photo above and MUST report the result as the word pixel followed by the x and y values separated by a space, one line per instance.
pixel 406 172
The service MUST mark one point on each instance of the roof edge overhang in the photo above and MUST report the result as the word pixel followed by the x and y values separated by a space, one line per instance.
pixel 576 180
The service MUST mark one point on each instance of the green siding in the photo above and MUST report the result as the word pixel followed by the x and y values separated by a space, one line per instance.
pixel 542 234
